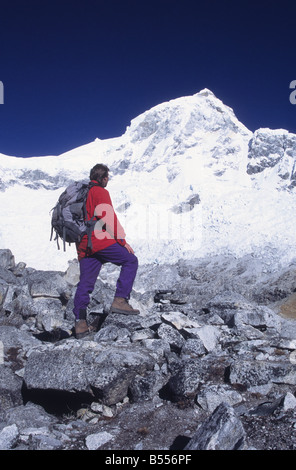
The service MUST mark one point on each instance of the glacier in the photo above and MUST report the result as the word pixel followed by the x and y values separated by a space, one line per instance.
pixel 188 180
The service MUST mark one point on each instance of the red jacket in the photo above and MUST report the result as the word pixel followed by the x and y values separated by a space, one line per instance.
pixel 108 229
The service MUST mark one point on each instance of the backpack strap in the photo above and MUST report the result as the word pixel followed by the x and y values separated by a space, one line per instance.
pixel 56 235
pixel 64 238
pixel 90 228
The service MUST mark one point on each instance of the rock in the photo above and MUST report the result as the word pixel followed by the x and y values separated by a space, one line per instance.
pixel 193 347
pixel 170 297
pixel 95 441
pixel 209 336
pixel 25 306
pixel 7 304
pixel 50 314
pixel 130 322
pixel 10 388
pixel 288 329
pixel 48 284
pixel 104 372
pixel 267 408
pixel 152 321
pixel 102 297
pixel 269 148
pixel 29 416
pixel 158 348
pixel 72 274
pixel 6 259
pixel 102 409
pixel 20 269
pixel 223 430
pixel 145 388
pixel 237 311
pixel 17 339
pixel 8 277
pixel 46 443
pixel 210 397
pixel 3 290
pixel 289 401
pixel 250 373
pixel 144 333
pixel 112 333
pixel 171 335
pixel 260 317
pixel 8 437
pixel 179 320
pixel 184 384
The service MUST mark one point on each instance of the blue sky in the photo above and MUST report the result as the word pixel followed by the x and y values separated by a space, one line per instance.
pixel 76 70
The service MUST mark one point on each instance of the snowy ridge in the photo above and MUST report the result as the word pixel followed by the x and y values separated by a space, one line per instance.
pixel 187 179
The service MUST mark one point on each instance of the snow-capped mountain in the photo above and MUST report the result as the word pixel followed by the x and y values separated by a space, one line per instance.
pixel 187 179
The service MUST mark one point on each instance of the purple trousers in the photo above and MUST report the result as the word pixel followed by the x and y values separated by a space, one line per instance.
pixel 89 270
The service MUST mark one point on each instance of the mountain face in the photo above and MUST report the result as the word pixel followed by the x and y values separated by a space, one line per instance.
pixel 187 180
pixel 274 148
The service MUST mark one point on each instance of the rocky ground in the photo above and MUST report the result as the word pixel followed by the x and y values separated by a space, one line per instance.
pixel 210 363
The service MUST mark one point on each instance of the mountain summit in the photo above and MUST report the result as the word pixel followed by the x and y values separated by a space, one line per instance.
pixel 187 179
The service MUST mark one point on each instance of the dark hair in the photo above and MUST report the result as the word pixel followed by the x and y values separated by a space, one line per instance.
pixel 99 172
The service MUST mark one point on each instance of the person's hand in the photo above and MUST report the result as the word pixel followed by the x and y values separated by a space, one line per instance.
pixel 129 248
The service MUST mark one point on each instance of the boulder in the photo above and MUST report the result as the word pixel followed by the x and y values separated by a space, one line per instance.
pixel 209 397
pixel 8 437
pixel 254 372
pixel 201 345
pixel 6 259
pixel 50 314
pixel 10 389
pixel 209 336
pixel 222 430
pixel 17 340
pixel 146 387
pixel 185 383
pixel 29 416
pixel 172 336
pixel 48 284
pixel 104 372
pixel 96 440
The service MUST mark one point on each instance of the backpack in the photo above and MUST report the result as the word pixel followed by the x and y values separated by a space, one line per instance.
pixel 69 215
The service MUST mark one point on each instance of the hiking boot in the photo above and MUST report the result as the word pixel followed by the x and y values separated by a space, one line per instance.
pixel 121 305
pixel 81 329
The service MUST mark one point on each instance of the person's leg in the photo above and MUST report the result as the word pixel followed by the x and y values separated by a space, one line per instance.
pixel 89 271
pixel 119 256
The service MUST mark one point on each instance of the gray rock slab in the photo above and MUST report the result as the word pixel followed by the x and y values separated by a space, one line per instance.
pixel 251 373
pixel 223 430
pixel 104 371
pixel 8 437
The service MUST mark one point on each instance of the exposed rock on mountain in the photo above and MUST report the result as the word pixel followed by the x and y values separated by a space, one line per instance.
pixel 188 180
pixel 209 208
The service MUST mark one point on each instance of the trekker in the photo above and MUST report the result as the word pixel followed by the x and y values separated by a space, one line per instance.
pixel 108 246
